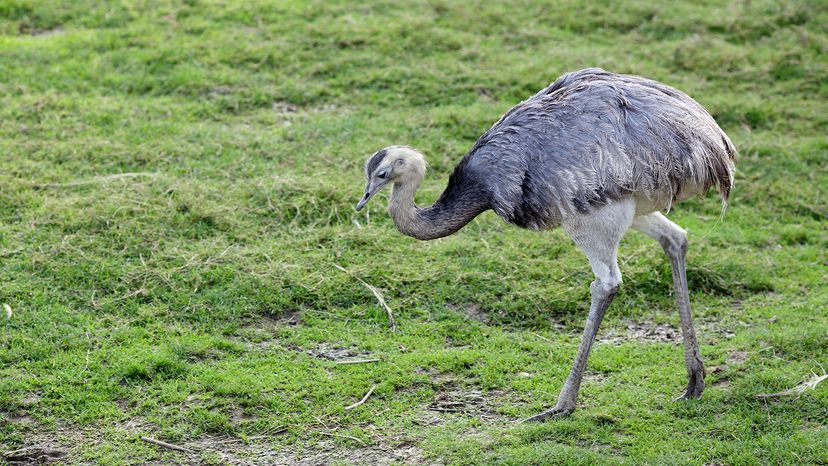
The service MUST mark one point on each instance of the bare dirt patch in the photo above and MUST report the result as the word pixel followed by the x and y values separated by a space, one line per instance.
pixel 45 447
pixel 734 358
pixel 721 383
pixel 231 451
pixel 34 455
pixel 284 107
pixel 709 329
pixel 333 352
pixel 733 361
pixel 468 402
pixel 25 28
pixel 646 331
pixel 62 446
pixel 599 447
pixel 270 320
pixel 218 91
pixel 713 330
pixel 291 317
pixel 437 378
pixel 649 331
pixel 260 333
pixel 471 310
pixel 123 404
pixel 404 453
pixel 737 357
pixel 592 377
pixel 31 399
pixel 239 417
pixel 452 398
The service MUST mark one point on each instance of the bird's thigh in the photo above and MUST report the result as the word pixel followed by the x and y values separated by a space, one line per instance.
pixel 598 233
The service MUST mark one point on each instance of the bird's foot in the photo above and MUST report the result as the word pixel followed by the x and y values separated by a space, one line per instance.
pixel 556 412
pixel 695 384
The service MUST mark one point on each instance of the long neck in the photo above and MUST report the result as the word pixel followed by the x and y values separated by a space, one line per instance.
pixel 456 207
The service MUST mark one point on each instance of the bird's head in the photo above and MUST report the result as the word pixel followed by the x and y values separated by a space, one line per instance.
pixel 400 165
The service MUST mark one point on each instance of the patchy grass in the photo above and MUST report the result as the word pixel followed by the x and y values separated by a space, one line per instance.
pixel 198 301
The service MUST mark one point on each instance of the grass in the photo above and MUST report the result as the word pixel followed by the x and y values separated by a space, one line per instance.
pixel 199 302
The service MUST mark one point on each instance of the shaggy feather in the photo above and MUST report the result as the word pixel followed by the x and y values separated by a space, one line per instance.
pixel 593 137
pixel 589 139
pixel 595 152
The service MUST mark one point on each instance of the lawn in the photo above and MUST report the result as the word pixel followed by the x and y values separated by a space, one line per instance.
pixel 182 261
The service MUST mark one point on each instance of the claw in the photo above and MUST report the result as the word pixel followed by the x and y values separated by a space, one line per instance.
pixel 695 387
pixel 555 412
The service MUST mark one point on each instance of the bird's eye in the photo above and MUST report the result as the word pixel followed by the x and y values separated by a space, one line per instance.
pixel 382 175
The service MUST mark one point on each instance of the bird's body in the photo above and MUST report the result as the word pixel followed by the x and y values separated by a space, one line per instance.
pixel 593 137
pixel 596 153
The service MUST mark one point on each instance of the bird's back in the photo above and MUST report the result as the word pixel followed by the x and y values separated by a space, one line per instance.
pixel 592 137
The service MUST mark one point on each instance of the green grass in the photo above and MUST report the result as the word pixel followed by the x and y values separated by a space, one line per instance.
pixel 196 303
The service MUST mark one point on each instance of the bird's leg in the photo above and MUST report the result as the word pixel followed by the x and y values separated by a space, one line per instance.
pixel 598 236
pixel 692 358
pixel 674 241
pixel 602 295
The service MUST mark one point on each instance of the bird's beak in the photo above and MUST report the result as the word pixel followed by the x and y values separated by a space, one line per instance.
pixel 363 201
pixel 370 191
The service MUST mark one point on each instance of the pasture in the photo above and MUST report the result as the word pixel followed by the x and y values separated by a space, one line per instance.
pixel 182 261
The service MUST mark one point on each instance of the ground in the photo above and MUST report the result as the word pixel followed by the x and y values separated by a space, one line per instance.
pixel 177 183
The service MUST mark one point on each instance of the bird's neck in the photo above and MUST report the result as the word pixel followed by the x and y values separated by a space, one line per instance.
pixel 456 207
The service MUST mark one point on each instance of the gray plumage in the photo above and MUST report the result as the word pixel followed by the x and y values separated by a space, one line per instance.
pixel 591 137
pixel 597 153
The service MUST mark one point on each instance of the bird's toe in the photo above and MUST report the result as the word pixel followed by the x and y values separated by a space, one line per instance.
pixel 557 411
pixel 695 387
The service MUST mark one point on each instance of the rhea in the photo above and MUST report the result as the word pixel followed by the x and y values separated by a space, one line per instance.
pixel 596 153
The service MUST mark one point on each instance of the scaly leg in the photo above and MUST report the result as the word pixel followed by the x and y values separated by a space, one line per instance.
pixel 674 241
pixel 598 236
